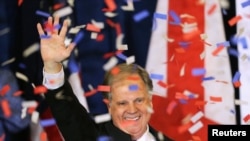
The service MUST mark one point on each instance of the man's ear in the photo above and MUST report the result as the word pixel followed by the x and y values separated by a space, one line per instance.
pixel 106 101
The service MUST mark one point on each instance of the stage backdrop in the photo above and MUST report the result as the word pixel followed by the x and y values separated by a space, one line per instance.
pixel 190 55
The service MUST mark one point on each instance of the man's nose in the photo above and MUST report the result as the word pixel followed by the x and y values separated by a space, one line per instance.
pixel 132 108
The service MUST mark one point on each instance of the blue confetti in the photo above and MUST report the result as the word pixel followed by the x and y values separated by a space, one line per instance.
pixel 233 52
pixel 133 87
pixel 243 42
pixel 208 78
pixel 160 16
pixel 45 36
pixel 121 56
pixel 78 37
pixel 236 76
pixel 156 76
pixel 72 65
pixel 141 15
pixel 104 138
pixel 175 17
pixel 183 101
pixel 225 44
pixel 41 13
pixel 47 122
pixel 245 4
pixel 198 71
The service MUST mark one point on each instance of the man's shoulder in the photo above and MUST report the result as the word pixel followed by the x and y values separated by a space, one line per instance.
pixel 159 135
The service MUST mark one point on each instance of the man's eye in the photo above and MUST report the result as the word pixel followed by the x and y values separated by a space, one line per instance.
pixel 122 103
pixel 139 100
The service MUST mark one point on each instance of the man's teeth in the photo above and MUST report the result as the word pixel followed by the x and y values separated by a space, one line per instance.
pixel 134 118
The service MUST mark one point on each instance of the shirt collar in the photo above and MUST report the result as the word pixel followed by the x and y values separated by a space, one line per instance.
pixel 147 136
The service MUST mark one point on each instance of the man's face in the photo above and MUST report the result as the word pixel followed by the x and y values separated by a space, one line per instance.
pixel 130 106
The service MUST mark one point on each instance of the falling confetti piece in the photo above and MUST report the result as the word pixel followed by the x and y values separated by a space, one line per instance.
pixel 6 108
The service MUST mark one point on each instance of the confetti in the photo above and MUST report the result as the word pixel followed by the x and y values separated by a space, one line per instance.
pixel 78 37
pixel 121 56
pixel 63 12
pixel 197 116
pixel 133 87
pixel 130 60
pixel 160 16
pixel 197 126
pixel 4 90
pixel 31 49
pixel 6 108
pixel 43 136
pixel 156 76
pixel 93 28
pixel 217 50
pixel 102 118
pixel 8 61
pixel 171 107
pixel 110 4
pixel 212 9
pixel 234 20
pixel 141 15
pixel 110 64
pixel 35 117
pixel 41 13
pixel 236 76
pixel 103 88
pixel 40 89
pixel 47 122
pixel 129 6
pixel 175 17
pixel 215 98
pixel 245 4
pixel 246 118
pixel 198 71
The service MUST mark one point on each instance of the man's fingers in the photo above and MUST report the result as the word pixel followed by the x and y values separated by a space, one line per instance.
pixel 40 29
pixel 64 29
pixel 70 47
pixel 56 25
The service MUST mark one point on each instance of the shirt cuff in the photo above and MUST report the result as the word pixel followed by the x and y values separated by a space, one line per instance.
pixel 53 81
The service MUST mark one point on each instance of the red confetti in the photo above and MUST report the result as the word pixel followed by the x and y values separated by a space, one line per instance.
pixel 40 89
pixel 6 108
pixel 103 88
pixel 90 93
pixel 43 136
pixel 215 99
pixel 91 27
pixel 234 20
pixel 217 50
pixel 18 93
pixel 170 107
pixel 110 4
pixel 212 9
pixel 115 70
pixel 4 90
pixel 30 110
pixel 20 2
pixel 237 84
pixel 246 118
pixel 100 37
pixel 106 101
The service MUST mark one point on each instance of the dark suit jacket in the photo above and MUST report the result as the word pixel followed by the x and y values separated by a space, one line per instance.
pixel 76 124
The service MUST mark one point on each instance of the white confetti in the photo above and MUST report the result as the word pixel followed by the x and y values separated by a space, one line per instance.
pixel 22 76
pixel 195 127
pixel 130 60
pixel 102 118
pixel 197 116
pixel 31 49
pixel 63 12
pixel 110 64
